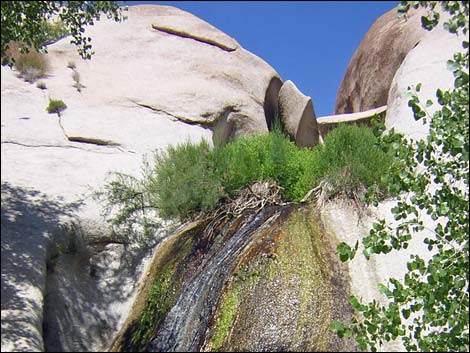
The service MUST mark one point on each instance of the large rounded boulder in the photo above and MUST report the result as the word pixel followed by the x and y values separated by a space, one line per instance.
pixel 371 69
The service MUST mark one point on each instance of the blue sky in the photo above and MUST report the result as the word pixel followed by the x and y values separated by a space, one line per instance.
pixel 307 42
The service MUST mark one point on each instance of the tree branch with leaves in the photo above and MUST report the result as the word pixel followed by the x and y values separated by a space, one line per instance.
pixel 24 22
pixel 428 308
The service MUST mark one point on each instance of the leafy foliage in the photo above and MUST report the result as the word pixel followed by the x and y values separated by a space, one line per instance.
pixel 25 22
pixel 428 308
pixel 52 31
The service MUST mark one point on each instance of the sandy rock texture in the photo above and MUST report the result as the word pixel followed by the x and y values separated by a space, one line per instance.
pixel 144 89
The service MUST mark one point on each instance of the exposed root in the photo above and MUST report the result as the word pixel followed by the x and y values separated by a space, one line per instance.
pixel 326 191
pixel 253 197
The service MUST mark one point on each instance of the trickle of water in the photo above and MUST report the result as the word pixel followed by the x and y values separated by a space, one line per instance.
pixel 185 324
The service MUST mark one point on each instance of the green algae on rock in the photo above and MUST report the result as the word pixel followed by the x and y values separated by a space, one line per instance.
pixel 284 296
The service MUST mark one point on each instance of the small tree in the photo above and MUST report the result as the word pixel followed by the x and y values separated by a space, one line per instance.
pixel 23 22
pixel 428 308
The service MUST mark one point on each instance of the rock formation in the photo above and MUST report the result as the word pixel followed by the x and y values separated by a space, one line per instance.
pixel 328 123
pixel 371 69
pixel 297 115
pixel 162 77
pixel 425 64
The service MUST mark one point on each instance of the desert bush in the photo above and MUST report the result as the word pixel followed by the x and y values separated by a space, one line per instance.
pixel 184 181
pixel 71 65
pixel 76 77
pixel 56 106
pixel 254 158
pixel 32 65
pixel 350 162
pixel 188 179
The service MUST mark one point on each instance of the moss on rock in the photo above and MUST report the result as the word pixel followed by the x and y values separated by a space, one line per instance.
pixel 285 294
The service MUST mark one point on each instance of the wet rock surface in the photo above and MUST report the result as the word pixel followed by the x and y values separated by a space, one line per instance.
pixel 265 280
pixel 289 289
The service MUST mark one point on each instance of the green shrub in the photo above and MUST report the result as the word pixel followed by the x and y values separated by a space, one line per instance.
pixel 192 178
pixel 56 106
pixel 184 181
pixel 260 157
pixel 351 161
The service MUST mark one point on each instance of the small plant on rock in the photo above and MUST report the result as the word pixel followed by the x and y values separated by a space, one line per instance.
pixel 56 106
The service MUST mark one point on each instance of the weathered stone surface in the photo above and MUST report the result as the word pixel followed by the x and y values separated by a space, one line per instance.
pixel 327 123
pixel 143 90
pixel 343 221
pixel 88 287
pixel 297 115
pixel 185 78
pixel 425 64
pixel 371 69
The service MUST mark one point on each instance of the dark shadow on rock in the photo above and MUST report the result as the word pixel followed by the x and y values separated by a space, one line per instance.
pixel 83 273
pixel 88 280
pixel 270 104
pixel 28 217
pixel 82 288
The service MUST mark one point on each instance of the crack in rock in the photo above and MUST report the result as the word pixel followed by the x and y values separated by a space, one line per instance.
pixel 60 146
pixel 202 39
pixel 203 123
pixel 91 140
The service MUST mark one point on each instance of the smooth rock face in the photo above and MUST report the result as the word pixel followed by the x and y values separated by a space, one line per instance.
pixel 425 64
pixel 143 90
pixel 173 72
pixel 297 115
pixel 374 63
pixel 343 220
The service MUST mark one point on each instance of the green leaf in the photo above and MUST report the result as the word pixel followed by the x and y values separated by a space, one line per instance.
pixel 406 313
pixel 385 291
pixel 452 65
